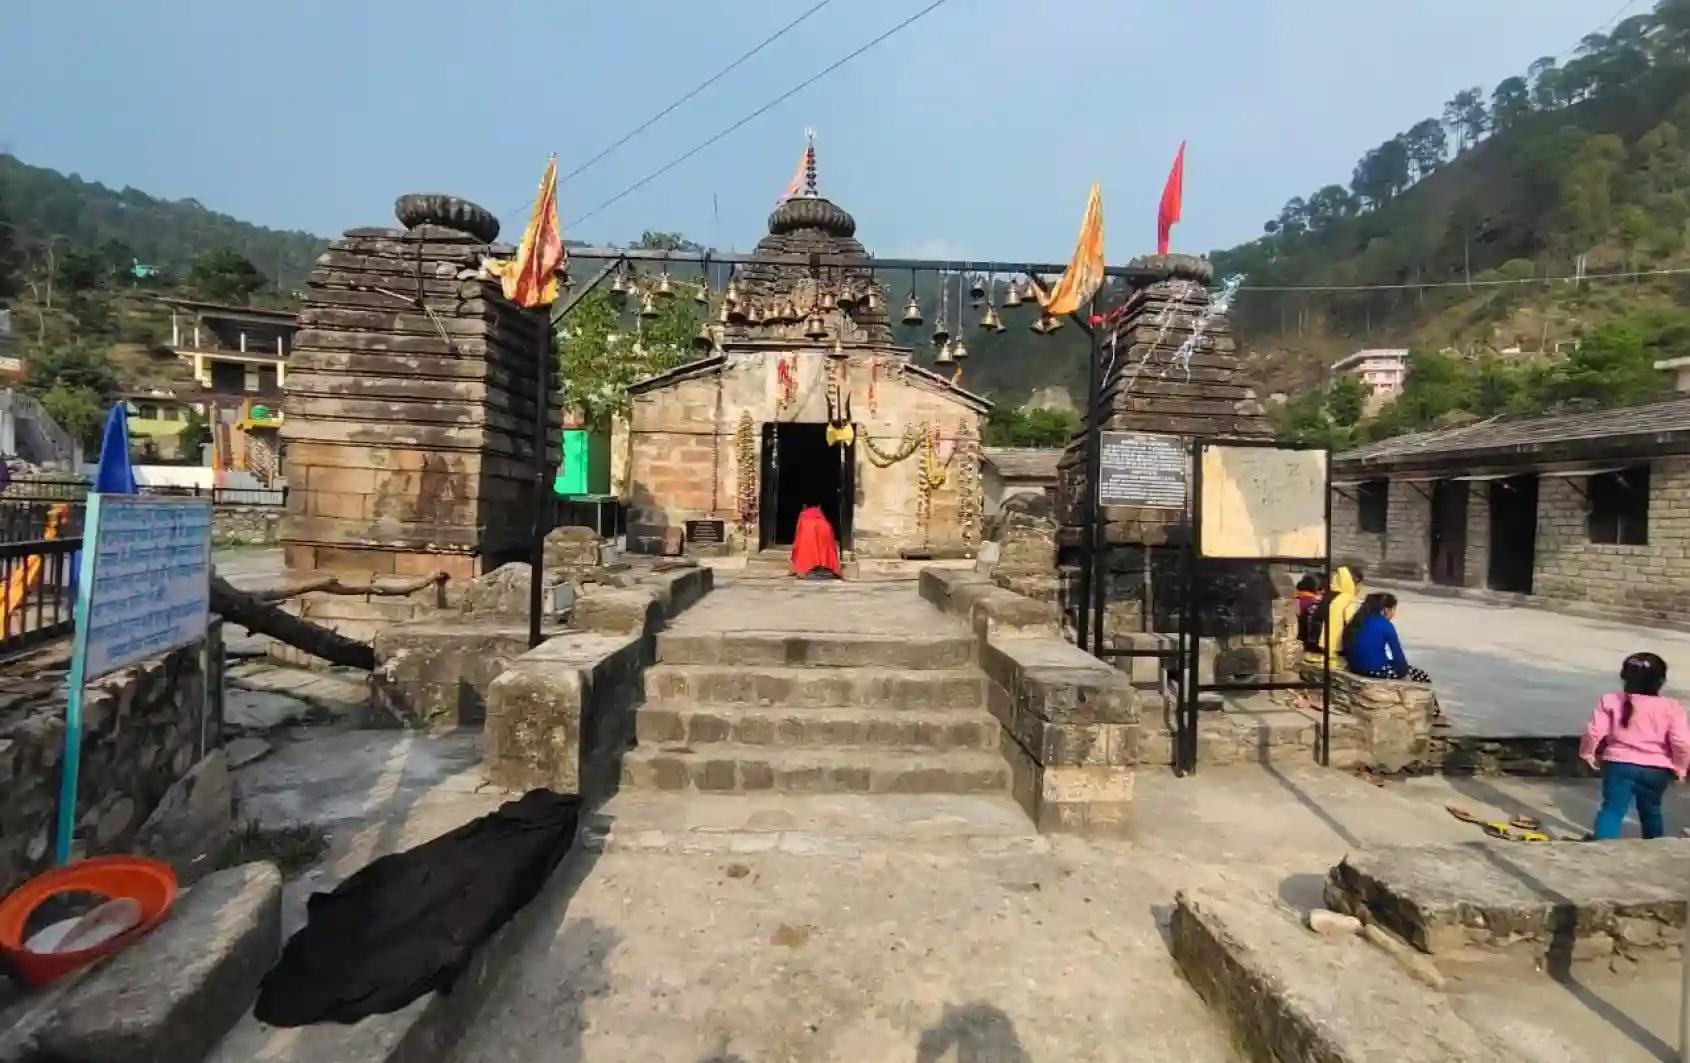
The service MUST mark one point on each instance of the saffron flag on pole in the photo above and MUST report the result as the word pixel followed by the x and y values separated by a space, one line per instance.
pixel 1084 274
pixel 1173 199
pixel 530 279
pixel 806 171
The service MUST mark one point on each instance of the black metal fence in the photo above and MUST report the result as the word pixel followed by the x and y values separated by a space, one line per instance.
pixel 77 491
pixel 37 590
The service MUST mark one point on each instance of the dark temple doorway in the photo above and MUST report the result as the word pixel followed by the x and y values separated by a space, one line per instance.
pixel 801 469
pixel 1449 532
pixel 1513 533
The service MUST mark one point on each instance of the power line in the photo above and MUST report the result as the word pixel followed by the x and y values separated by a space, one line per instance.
pixel 700 87
pixel 1568 279
pixel 794 90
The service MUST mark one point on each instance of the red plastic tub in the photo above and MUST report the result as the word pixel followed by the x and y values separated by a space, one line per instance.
pixel 150 883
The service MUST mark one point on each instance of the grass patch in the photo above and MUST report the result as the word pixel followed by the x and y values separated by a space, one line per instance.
pixel 293 849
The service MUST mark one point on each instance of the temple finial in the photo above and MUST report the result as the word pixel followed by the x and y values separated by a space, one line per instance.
pixel 810 163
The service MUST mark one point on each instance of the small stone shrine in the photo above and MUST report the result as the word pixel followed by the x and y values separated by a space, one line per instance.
pixel 410 402
pixel 806 401
pixel 1171 369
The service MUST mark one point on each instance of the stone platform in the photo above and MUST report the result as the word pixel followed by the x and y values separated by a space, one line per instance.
pixel 1563 900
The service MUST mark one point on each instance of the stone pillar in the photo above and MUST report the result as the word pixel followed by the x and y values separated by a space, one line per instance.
pixel 409 402
pixel 1172 371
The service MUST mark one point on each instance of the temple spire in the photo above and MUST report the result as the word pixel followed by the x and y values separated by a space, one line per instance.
pixel 810 163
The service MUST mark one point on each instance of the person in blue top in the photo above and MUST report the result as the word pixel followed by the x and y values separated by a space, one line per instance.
pixel 1371 646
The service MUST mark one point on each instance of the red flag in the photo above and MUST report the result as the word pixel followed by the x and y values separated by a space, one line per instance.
pixel 1173 198
pixel 530 279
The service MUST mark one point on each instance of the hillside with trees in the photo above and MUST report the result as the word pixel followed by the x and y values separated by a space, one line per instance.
pixel 1530 243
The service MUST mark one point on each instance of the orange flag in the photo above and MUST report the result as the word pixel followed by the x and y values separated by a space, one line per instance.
pixel 530 279
pixel 1173 201
pixel 1084 274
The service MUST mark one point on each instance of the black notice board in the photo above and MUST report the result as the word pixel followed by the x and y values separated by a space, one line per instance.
pixel 1142 469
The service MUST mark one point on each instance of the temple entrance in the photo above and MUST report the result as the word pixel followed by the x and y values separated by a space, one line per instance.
pixel 1513 533
pixel 1449 532
pixel 801 469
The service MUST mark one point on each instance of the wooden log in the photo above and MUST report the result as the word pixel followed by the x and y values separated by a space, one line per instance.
pixel 257 615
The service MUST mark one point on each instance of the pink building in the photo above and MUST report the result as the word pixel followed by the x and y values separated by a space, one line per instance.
pixel 1382 369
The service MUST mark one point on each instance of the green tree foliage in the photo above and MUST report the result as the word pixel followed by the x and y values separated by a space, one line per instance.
pixel 603 349
pixel 1346 399
pixel 1614 365
pixel 164 233
pixel 1007 426
pixel 224 275
pixel 79 411
pixel 82 366
pixel 652 240
pixel 1510 103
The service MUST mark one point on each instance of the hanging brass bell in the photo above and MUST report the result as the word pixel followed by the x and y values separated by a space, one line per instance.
pixel 732 294
pixel 648 306
pixel 845 298
pixel 977 290
pixel 789 311
pixel 942 354
pixel 989 319
pixel 1030 292
pixel 940 334
pixel 704 341
pixel 725 315
pixel 733 311
pixel 815 328
pixel 912 311
pixel 1013 296
pixel 838 353
pixel 665 287
pixel 959 350
pixel 1040 324
pixel 702 295
pixel 618 287
pixel 754 315
pixel 871 299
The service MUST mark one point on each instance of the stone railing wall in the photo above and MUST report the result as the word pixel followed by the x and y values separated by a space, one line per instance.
pixel 246 525
pixel 143 729
pixel 1070 722
pixel 1393 719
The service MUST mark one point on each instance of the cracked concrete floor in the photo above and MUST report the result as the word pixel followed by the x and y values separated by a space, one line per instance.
pixel 831 930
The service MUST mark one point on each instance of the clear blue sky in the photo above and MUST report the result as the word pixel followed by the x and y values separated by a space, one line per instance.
pixel 974 132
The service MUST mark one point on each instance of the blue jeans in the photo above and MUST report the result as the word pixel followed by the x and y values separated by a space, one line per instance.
pixel 1624 783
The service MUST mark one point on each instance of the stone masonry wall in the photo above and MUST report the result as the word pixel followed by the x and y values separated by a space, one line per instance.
pixel 246 525
pixel 1476 564
pixel 1351 545
pixel 684 433
pixel 144 728
pixel 1654 578
pixel 1407 531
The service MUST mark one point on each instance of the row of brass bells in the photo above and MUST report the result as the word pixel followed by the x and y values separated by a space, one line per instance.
pixel 940 334
pixel 1013 296
pixel 990 321
pixel 977 290
pixel 665 287
pixel 814 327
pixel 648 306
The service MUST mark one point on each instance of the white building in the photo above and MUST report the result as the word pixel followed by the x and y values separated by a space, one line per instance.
pixel 1382 369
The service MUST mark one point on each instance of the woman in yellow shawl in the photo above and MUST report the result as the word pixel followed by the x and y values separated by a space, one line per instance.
pixel 1342 601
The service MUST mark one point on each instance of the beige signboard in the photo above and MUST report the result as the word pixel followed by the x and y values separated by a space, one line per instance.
pixel 1263 502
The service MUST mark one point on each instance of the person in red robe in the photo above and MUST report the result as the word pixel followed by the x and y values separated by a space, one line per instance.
pixel 815 551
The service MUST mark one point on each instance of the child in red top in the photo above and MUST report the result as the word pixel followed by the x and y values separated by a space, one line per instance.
pixel 1643 743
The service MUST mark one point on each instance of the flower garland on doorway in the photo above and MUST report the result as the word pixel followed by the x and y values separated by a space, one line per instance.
pixel 880 459
pixel 745 450
pixel 968 484
pixel 786 380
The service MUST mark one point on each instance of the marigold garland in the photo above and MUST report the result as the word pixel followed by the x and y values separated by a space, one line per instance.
pixel 745 449
pixel 880 459
pixel 968 484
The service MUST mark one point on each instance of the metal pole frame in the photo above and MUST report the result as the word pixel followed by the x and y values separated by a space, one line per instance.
pixel 542 417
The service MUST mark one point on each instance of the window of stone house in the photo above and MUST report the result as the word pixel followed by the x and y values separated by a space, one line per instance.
pixel 146 411
pixel 1373 501
pixel 170 413
pixel 1619 507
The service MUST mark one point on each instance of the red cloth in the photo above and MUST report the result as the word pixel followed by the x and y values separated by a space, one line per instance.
pixel 813 544
pixel 1173 200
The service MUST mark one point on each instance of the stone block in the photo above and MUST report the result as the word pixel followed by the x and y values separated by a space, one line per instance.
pixel 192 820
pixel 635 611
pixel 560 715
pixel 503 592
pixel 172 995
pixel 435 676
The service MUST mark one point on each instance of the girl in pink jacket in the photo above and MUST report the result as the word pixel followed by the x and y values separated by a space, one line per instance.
pixel 1643 743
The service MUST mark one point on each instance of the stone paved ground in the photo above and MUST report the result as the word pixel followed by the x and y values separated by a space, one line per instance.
pixel 1508 671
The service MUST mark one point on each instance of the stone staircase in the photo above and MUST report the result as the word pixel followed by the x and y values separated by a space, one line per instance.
pixel 815 713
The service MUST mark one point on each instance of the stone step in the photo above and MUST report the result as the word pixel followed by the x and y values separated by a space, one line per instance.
pixel 792 688
pixel 733 767
pixel 816 649
pixel 752 725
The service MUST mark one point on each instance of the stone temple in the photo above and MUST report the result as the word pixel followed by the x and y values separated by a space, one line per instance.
pixel 763 427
